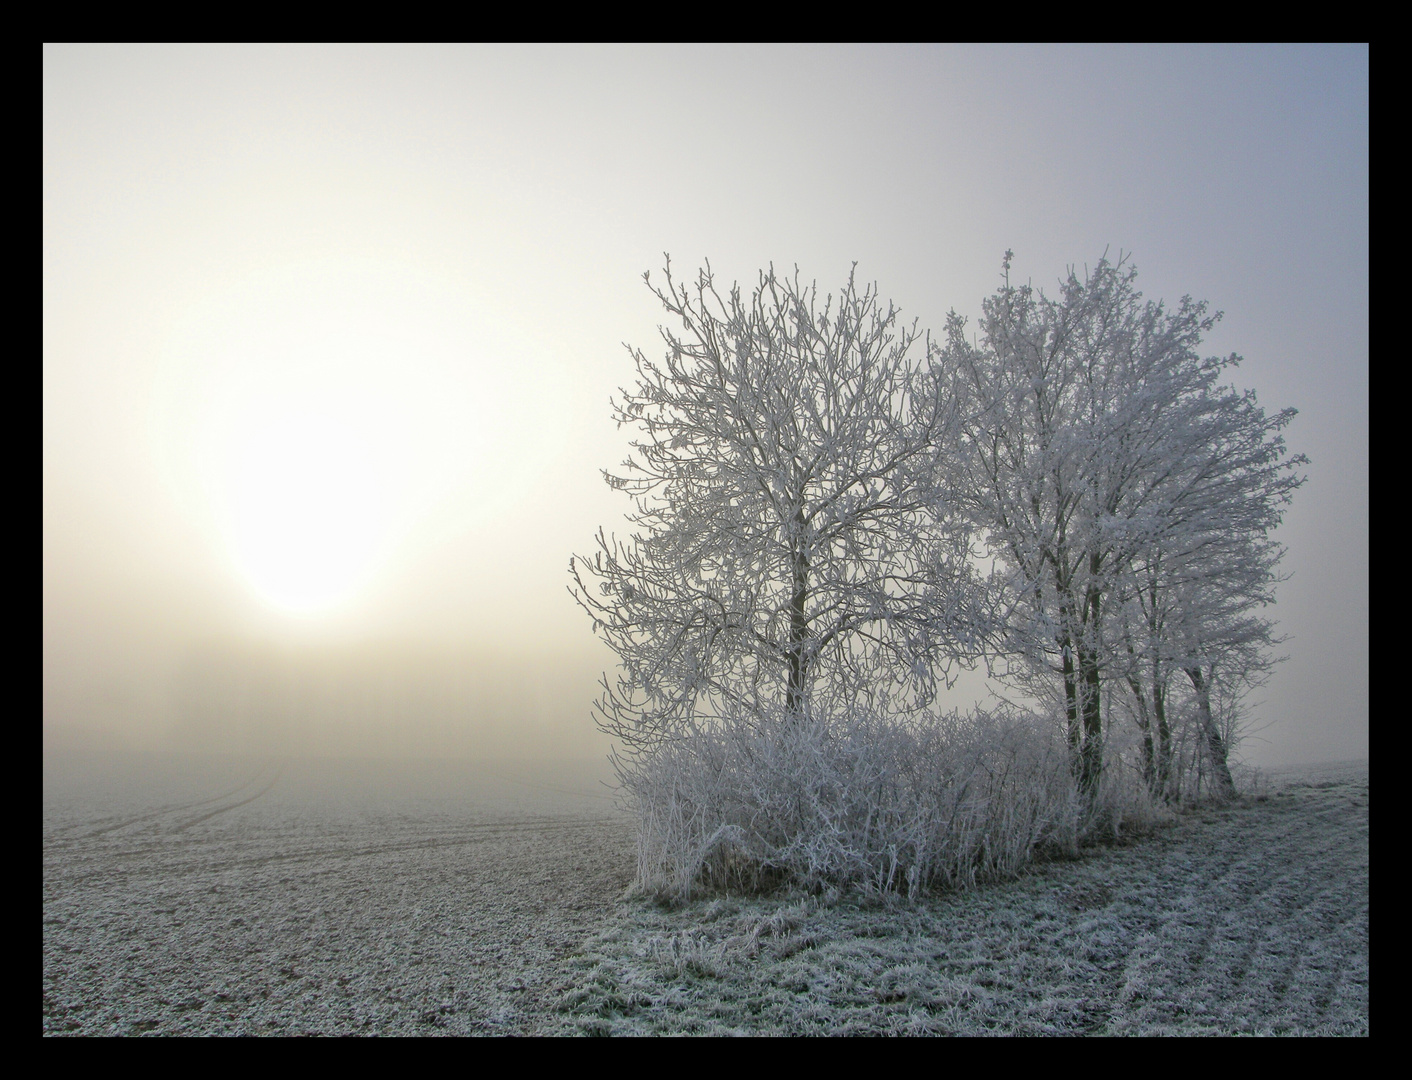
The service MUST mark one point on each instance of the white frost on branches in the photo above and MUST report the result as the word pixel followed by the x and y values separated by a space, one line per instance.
pixel 796 551
pixel 1128 494
pixel 811 498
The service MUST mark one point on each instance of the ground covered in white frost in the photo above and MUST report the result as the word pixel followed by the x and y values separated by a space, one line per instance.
pixel 235 897
pixel 339 901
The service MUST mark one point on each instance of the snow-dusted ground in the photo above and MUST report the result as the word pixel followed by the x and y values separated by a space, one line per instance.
pixel 343 899
pixel 326 899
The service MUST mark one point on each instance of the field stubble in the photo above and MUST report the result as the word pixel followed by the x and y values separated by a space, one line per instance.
pixel 264 902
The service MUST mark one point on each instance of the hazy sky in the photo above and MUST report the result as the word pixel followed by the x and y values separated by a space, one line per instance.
pixel 329 333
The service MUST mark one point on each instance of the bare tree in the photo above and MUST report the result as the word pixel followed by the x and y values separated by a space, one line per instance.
pixel 1203 591
pixel 1197 613
pixel 793 553
pixel 1099 460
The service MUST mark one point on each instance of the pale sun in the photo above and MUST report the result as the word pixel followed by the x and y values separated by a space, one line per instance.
pixel 316 413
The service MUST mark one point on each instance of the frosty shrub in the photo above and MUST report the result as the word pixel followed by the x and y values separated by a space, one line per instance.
pixel 882 804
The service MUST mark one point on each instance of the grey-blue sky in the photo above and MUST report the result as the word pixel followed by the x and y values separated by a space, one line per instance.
pixel 541 182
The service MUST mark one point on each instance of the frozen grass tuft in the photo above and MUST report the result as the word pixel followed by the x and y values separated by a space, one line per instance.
pixel 885 806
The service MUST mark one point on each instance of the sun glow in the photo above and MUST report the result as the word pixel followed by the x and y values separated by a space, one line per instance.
pixel 317 414
pixel 308 513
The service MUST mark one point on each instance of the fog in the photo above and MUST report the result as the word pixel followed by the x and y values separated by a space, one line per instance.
pixel 329 335
pixel 371 699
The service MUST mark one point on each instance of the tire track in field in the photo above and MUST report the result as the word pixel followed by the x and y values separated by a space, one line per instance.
pixel 1320 923
pixel 174 809
pixel 1260 931
pixel 279 772
pixel 1235 949
pixel 1167 941
pixel 1295 918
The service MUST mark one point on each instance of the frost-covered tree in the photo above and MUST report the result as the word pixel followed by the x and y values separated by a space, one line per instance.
pixel 1195 594
pixel 793 553
pixel 1097 449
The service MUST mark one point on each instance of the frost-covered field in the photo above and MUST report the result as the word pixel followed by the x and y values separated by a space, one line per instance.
pixel 341 900
pixel 254 901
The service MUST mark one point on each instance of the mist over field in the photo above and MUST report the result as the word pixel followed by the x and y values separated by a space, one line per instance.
pixel 329 333
pixel 367 700
pixel 336 599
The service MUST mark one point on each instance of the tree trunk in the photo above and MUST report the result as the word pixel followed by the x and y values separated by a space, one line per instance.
pixel 1071 707
pixel 1092 689
pixel 1092 759
pixel 1144 724
pixel 798 626
pixel 1215 745
pixel 1164 733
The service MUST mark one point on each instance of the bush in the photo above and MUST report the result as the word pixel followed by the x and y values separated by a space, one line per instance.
pixel 882 804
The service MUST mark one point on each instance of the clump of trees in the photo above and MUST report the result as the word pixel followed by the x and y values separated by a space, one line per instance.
pixel 817 489
pixel 1129 495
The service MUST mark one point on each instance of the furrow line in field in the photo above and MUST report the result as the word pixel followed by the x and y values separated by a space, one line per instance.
pixel 169 867
pixel 125 822
pixel 1324 924
pixel 298 838
pixel 233 806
